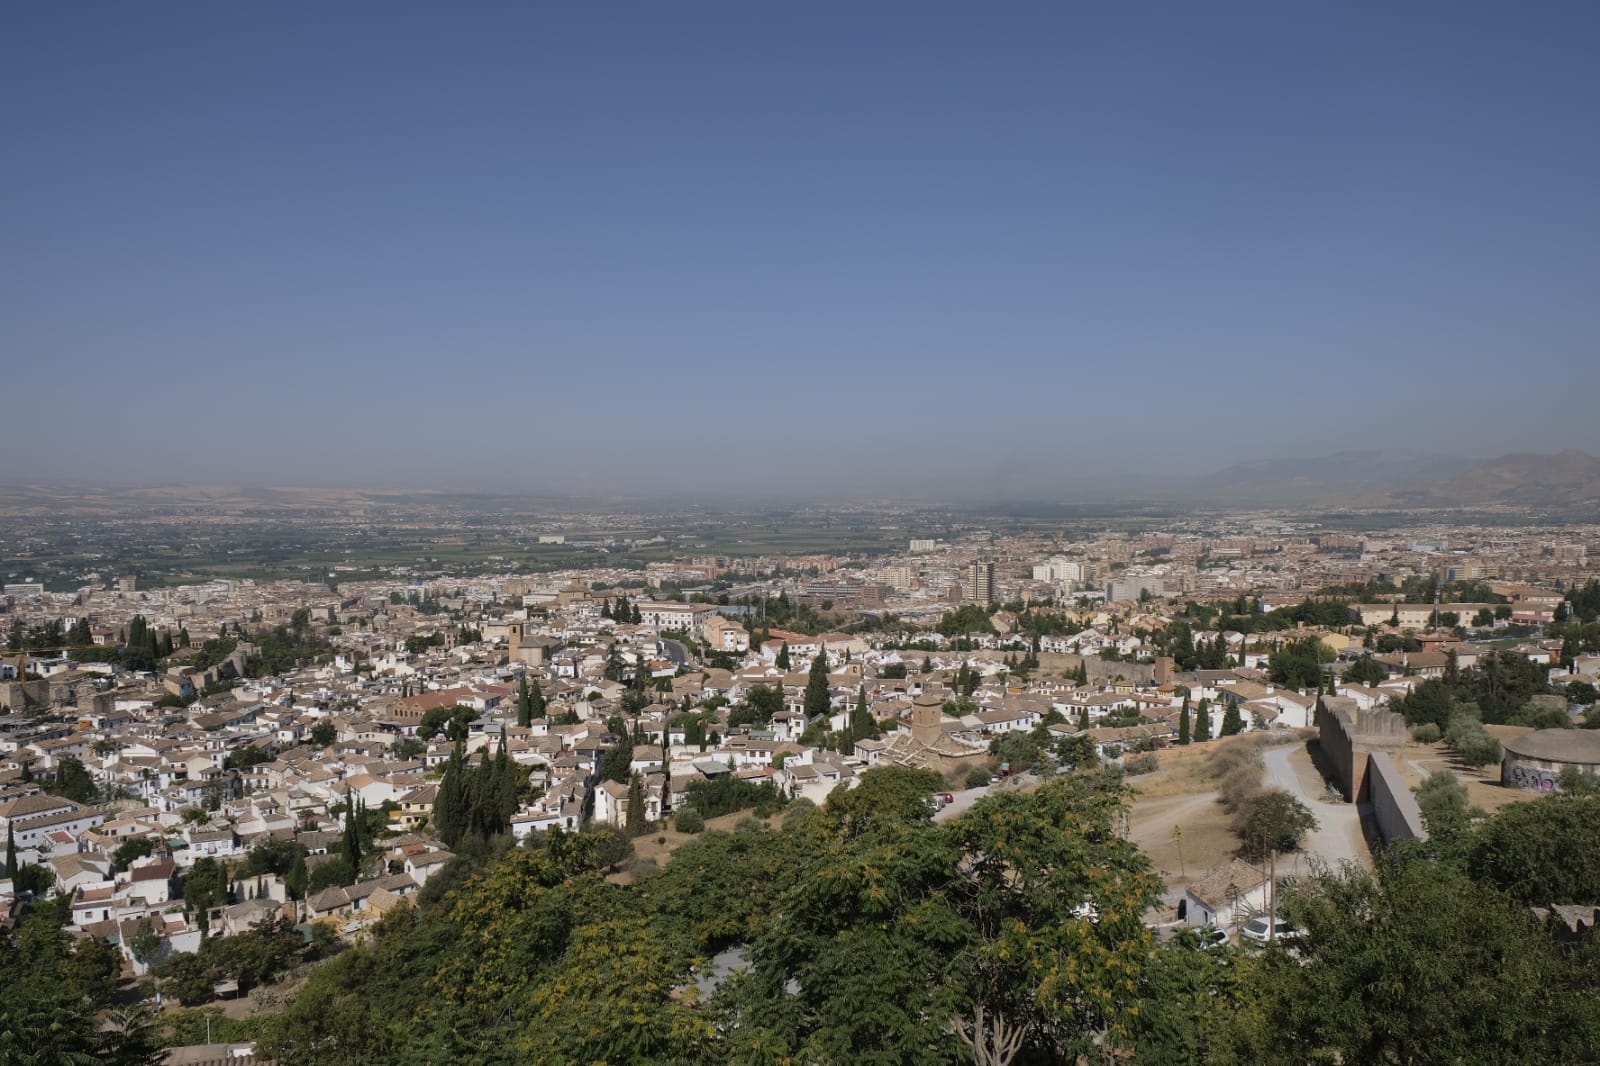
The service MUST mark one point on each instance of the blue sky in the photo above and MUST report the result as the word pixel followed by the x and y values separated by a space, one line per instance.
pixel 852 247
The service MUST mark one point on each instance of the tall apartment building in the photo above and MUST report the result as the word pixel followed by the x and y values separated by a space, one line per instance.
pixel 924 545
pixel 980 582
pixel 1131 588
pixel 898 577
pixel 1058 569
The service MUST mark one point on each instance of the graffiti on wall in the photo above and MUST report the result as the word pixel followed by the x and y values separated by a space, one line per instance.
pixel 1529 777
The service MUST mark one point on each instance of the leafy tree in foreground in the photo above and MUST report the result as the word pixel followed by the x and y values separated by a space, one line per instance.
pixel 1416 963
pixel 918 940
pixel 1542 852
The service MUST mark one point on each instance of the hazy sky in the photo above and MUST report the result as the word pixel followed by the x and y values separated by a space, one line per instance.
pixel 847 245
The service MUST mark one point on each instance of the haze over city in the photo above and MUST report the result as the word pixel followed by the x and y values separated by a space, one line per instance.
pixel 726 533
pixel 833 248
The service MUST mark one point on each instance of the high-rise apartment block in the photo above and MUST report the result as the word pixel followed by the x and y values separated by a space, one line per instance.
pixel 980 582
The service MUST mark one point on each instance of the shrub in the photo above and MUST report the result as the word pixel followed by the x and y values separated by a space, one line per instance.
pixel 725 795
pixel 614 846
pixel 1446 809
pixel 1478 749
pixel 689 820
pixel 977 777
pixel 1141 764
pixel 1428 733
pixel 798 808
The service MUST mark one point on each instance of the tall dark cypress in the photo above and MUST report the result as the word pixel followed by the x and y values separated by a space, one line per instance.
pixel 862 724
pixel 817 686
pixel 352 835
pixel 635 817
pixel 449 805
pixel 524 703
pixel 505 789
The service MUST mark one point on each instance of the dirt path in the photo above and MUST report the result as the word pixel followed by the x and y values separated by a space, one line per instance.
pixel 1337 837
pixel 1202 841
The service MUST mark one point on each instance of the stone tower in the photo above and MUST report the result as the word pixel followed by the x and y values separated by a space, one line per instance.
pixel 927 719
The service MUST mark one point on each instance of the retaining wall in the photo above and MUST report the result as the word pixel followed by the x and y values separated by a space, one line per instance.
pixel 1393 805
pixel 1100 669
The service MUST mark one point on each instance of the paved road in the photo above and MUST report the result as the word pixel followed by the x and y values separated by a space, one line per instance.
pixel 675 651
pixel 1337 837
pixel 963 802
pixel 964 799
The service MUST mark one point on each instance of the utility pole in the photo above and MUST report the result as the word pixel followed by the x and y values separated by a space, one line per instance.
pixel 1177 838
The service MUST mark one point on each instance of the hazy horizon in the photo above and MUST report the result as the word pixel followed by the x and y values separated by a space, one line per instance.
pixel 916 251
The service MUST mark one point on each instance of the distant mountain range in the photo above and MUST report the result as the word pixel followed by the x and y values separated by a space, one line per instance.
pixel 1344 473
pixel 1568 480
pixel 1564 485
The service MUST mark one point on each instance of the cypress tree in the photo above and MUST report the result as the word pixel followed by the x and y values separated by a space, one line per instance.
pixel 1083 718
pixel 297 878
pixel 783 657
pixel 536 704
pixel 505 780
pixel 1231 722
pixel 1183 724
pixel 619 760
pixel 817 686
pixel 635 817
pixel 473 782
pixel 352 837
pixel 449 806
pixel 11 851
pixel 862 724
pixel 1202 722
pixel 524 703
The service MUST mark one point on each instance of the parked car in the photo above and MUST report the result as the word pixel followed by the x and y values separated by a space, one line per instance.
pixel 949 797
pixel 1257 929
pixel 1211 937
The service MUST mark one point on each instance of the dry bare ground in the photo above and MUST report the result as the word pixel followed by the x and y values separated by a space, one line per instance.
pixel 1484 790
pixel 1182 795
pixel 651 847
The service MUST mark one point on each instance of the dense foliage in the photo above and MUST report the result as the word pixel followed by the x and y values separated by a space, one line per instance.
pixel 58 1002
pixel 864 932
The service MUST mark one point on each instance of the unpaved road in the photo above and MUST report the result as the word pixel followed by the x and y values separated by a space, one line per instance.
pixel 1337 837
